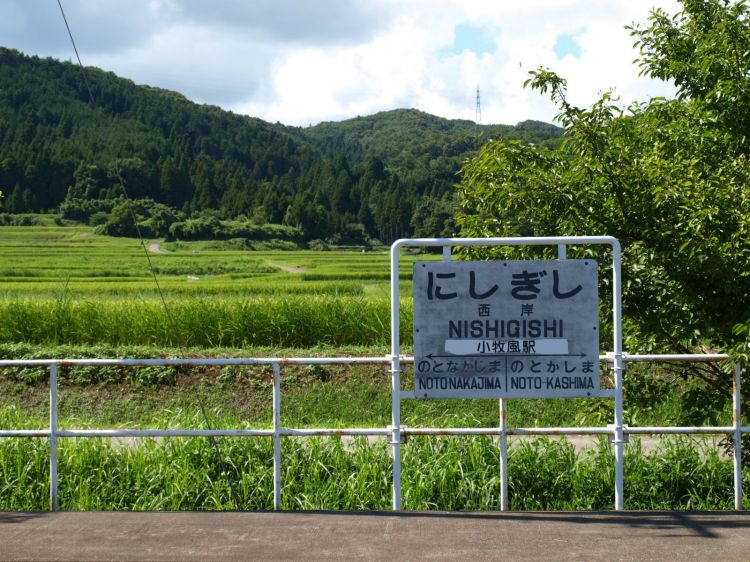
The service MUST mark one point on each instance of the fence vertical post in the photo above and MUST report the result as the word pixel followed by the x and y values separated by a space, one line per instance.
pixel 562 251
pixel 53 503
pixel 618 366
pixel 276 436
pixel 395 379
pixel 503 455
pixel 737 421
pixel 396 431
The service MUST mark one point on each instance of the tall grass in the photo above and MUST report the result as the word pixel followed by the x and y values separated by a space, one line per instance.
pixel 288 321
pixel 456 473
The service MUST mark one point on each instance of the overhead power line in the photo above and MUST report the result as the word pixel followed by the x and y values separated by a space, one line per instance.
pixel 175 334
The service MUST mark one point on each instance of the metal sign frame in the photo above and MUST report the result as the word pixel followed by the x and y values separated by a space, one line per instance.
pixel 561 242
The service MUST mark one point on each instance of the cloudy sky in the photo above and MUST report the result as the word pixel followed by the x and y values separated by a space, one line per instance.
pixel 305 61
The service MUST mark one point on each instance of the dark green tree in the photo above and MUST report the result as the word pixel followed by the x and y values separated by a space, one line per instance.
pixel 668 178
pixel 434 218
pixel 174 185
pixel 121 220
pixel 15 202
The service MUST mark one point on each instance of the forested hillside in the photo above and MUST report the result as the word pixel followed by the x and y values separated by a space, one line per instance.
pixel 424 150
pixel 377 177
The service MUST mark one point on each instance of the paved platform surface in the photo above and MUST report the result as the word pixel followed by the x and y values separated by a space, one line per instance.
pixel 375 536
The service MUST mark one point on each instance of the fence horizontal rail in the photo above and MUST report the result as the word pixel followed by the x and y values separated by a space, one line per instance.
pixel 371 431
pixel 200 361
pixel 165 433
pixel 24 432
pixel 668 358
pixel 703 430
pixel 223 361
pixel 497 431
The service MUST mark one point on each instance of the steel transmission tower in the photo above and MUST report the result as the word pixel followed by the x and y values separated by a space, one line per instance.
pixel 478 114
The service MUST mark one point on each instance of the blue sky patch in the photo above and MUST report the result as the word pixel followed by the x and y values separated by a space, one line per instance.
pixel 467 37
pixel 567 44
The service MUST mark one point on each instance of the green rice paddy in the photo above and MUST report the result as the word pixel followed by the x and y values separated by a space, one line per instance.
pixel 68 285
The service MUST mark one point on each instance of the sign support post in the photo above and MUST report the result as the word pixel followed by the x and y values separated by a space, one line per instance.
pixel 503 454
pixel 618 365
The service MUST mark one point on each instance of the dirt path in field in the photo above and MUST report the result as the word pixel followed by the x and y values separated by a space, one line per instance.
pixel 289 268
pixel 155 248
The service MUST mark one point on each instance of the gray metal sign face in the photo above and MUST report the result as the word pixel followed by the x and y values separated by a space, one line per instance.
pixel 506 329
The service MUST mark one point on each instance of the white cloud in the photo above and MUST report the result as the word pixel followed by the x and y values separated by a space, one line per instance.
pixel 317 84
pixel 301 62
pixel 195 61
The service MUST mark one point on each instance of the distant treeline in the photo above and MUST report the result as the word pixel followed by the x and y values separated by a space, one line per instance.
pixel 383 176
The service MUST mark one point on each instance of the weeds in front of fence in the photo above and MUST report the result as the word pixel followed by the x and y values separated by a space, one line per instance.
pixel 446 473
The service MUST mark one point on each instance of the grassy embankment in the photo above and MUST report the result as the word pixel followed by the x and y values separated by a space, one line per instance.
pixel 67 292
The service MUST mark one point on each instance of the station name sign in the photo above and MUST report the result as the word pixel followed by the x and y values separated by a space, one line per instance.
pixel 506 329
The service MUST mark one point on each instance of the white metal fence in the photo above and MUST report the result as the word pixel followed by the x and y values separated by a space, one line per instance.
pixel 277 432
